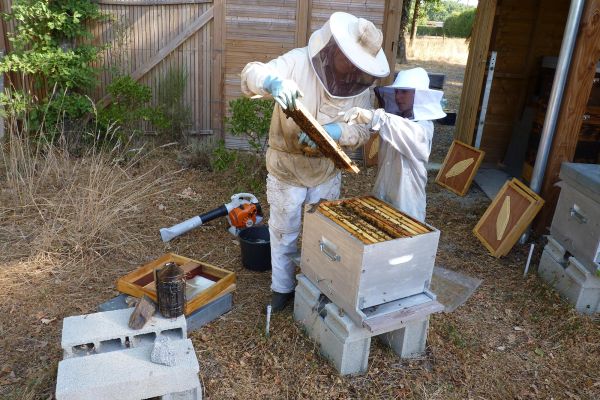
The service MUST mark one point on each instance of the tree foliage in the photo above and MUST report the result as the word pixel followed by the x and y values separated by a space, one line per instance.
pixel 459 25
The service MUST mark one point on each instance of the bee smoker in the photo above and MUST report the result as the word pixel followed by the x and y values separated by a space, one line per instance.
pixel 170 290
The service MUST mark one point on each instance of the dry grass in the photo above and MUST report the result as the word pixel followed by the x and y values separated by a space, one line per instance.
pixel 440 49
pixel 473 353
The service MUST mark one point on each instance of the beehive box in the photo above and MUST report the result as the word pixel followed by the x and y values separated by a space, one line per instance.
pixel 362 253
pixel 141 281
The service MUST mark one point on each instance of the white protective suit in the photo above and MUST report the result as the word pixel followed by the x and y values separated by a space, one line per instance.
pixel 295 179
pixel 403 154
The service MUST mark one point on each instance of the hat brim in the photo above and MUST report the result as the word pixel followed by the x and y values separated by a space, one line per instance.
pixel 339 24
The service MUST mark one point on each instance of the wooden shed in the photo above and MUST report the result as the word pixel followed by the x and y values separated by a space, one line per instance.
pixel 527 38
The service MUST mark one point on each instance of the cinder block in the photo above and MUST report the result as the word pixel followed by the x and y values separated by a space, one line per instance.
pixel 410 341
pixel 128 375
pixel 209 312
pixel 109 331
pixel 308 303
pixel 344 343
pixel 192 394
pixel 202 316
pixel 570 278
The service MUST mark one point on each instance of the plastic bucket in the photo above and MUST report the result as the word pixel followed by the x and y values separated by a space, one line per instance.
pixel 256 248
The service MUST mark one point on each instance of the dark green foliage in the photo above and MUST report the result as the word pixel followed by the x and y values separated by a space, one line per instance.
pixel 430 31
pixel 177 115
pixel 441 10
pixel 250 118
pixel 459 25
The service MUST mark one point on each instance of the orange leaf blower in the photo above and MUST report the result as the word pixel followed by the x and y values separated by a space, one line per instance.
pixel 243 211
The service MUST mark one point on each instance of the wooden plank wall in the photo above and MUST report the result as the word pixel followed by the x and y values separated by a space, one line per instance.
pixel 261 30
pixel 523 33
pixel 138 29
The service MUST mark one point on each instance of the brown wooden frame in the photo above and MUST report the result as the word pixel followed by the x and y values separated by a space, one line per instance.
pixel 225 280
pixel 511 233
pixel 458 184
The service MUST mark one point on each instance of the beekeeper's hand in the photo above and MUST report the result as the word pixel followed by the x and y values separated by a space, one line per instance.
pixel 334 130
pixel 284 91
pixel 357 115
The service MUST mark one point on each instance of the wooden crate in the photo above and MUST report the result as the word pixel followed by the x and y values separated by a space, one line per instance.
pixel 141 281
pixel 507 217
pixel 362 253
pixel 459 167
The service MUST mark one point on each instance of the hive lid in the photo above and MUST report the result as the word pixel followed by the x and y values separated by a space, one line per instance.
pixel 584 177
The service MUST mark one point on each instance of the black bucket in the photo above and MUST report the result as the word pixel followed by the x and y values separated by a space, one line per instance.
pixel 256 248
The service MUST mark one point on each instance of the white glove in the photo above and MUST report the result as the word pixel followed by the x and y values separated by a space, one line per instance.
pixel 284 91
pixel 357 115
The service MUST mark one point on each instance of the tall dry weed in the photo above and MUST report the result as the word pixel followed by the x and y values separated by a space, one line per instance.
pixel 73 207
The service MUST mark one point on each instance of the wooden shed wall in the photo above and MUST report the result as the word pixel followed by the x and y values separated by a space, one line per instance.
pixel 261 30
pixel 523 32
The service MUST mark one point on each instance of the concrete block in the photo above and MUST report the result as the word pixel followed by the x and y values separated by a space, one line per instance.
pixel 192 394
pixel 209 312
pixel 116 303
pixel 127 375
pixel 344 343
pixel 202 316
pixel 308 303
pixel 109 331
pixel 410 341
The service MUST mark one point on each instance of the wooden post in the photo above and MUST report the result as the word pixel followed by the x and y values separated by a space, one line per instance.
pixel 474 72
pixel 391 32
pixel 218 76
pixel 303 12
pixel 577 92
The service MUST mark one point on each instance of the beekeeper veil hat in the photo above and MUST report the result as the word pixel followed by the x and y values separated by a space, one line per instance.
pixel 426 104
pixel 346 55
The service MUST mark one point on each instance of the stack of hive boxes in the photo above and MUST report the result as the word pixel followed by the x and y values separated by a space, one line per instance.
pixel 571 259
pixel 366 272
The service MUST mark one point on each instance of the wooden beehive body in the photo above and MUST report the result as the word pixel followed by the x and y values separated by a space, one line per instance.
pixel 358 270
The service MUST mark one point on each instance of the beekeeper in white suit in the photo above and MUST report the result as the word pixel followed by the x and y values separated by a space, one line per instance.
pixel 342 60
pixel 405 141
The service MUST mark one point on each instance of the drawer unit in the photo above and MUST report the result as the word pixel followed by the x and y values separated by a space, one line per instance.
pixel 576 222
pixel 362 253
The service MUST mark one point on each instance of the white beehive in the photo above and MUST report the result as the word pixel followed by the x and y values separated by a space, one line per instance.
pixel 362 254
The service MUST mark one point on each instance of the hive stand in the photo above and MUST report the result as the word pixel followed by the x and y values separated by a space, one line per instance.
pixel 347 344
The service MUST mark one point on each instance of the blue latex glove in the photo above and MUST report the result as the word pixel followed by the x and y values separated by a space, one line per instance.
pixel 284 91
pixel 334 130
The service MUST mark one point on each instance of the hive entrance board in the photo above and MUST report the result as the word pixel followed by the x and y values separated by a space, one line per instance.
pixel 507 217
pixel 459 167
pixel 328 147
pixel 141 281
pixel 371 220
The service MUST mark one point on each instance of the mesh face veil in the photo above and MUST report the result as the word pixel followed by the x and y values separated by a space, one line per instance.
pixel 338 75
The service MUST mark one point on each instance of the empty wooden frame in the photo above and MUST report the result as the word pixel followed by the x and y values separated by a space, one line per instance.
pixel 507 217
pixel 459 167
pixel 141 281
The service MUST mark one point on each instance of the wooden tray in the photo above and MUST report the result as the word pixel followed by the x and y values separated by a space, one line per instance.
pixel 459 167
pixel 507 217
pixel 141 281
pixel 328 147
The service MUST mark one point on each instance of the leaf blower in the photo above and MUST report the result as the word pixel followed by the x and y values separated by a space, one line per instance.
pixel 243 211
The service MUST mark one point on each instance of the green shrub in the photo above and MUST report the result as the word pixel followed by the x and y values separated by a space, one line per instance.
pixel 423 30
pixel 250 118
pixel 178 115
pixel 459 25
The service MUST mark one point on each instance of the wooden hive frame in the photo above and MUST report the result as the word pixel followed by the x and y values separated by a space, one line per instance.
pixel 459 167
pixel 371 220
pixel 328 147
pixel 505 220
pixel 141 281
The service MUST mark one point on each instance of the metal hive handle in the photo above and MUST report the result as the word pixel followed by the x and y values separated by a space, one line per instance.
pixel 328 252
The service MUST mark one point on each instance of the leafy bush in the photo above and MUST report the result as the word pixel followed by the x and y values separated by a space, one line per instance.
pixel 250 118
pixel 459 25
pixel 177 114
pixel 423 30
pixel 130 105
